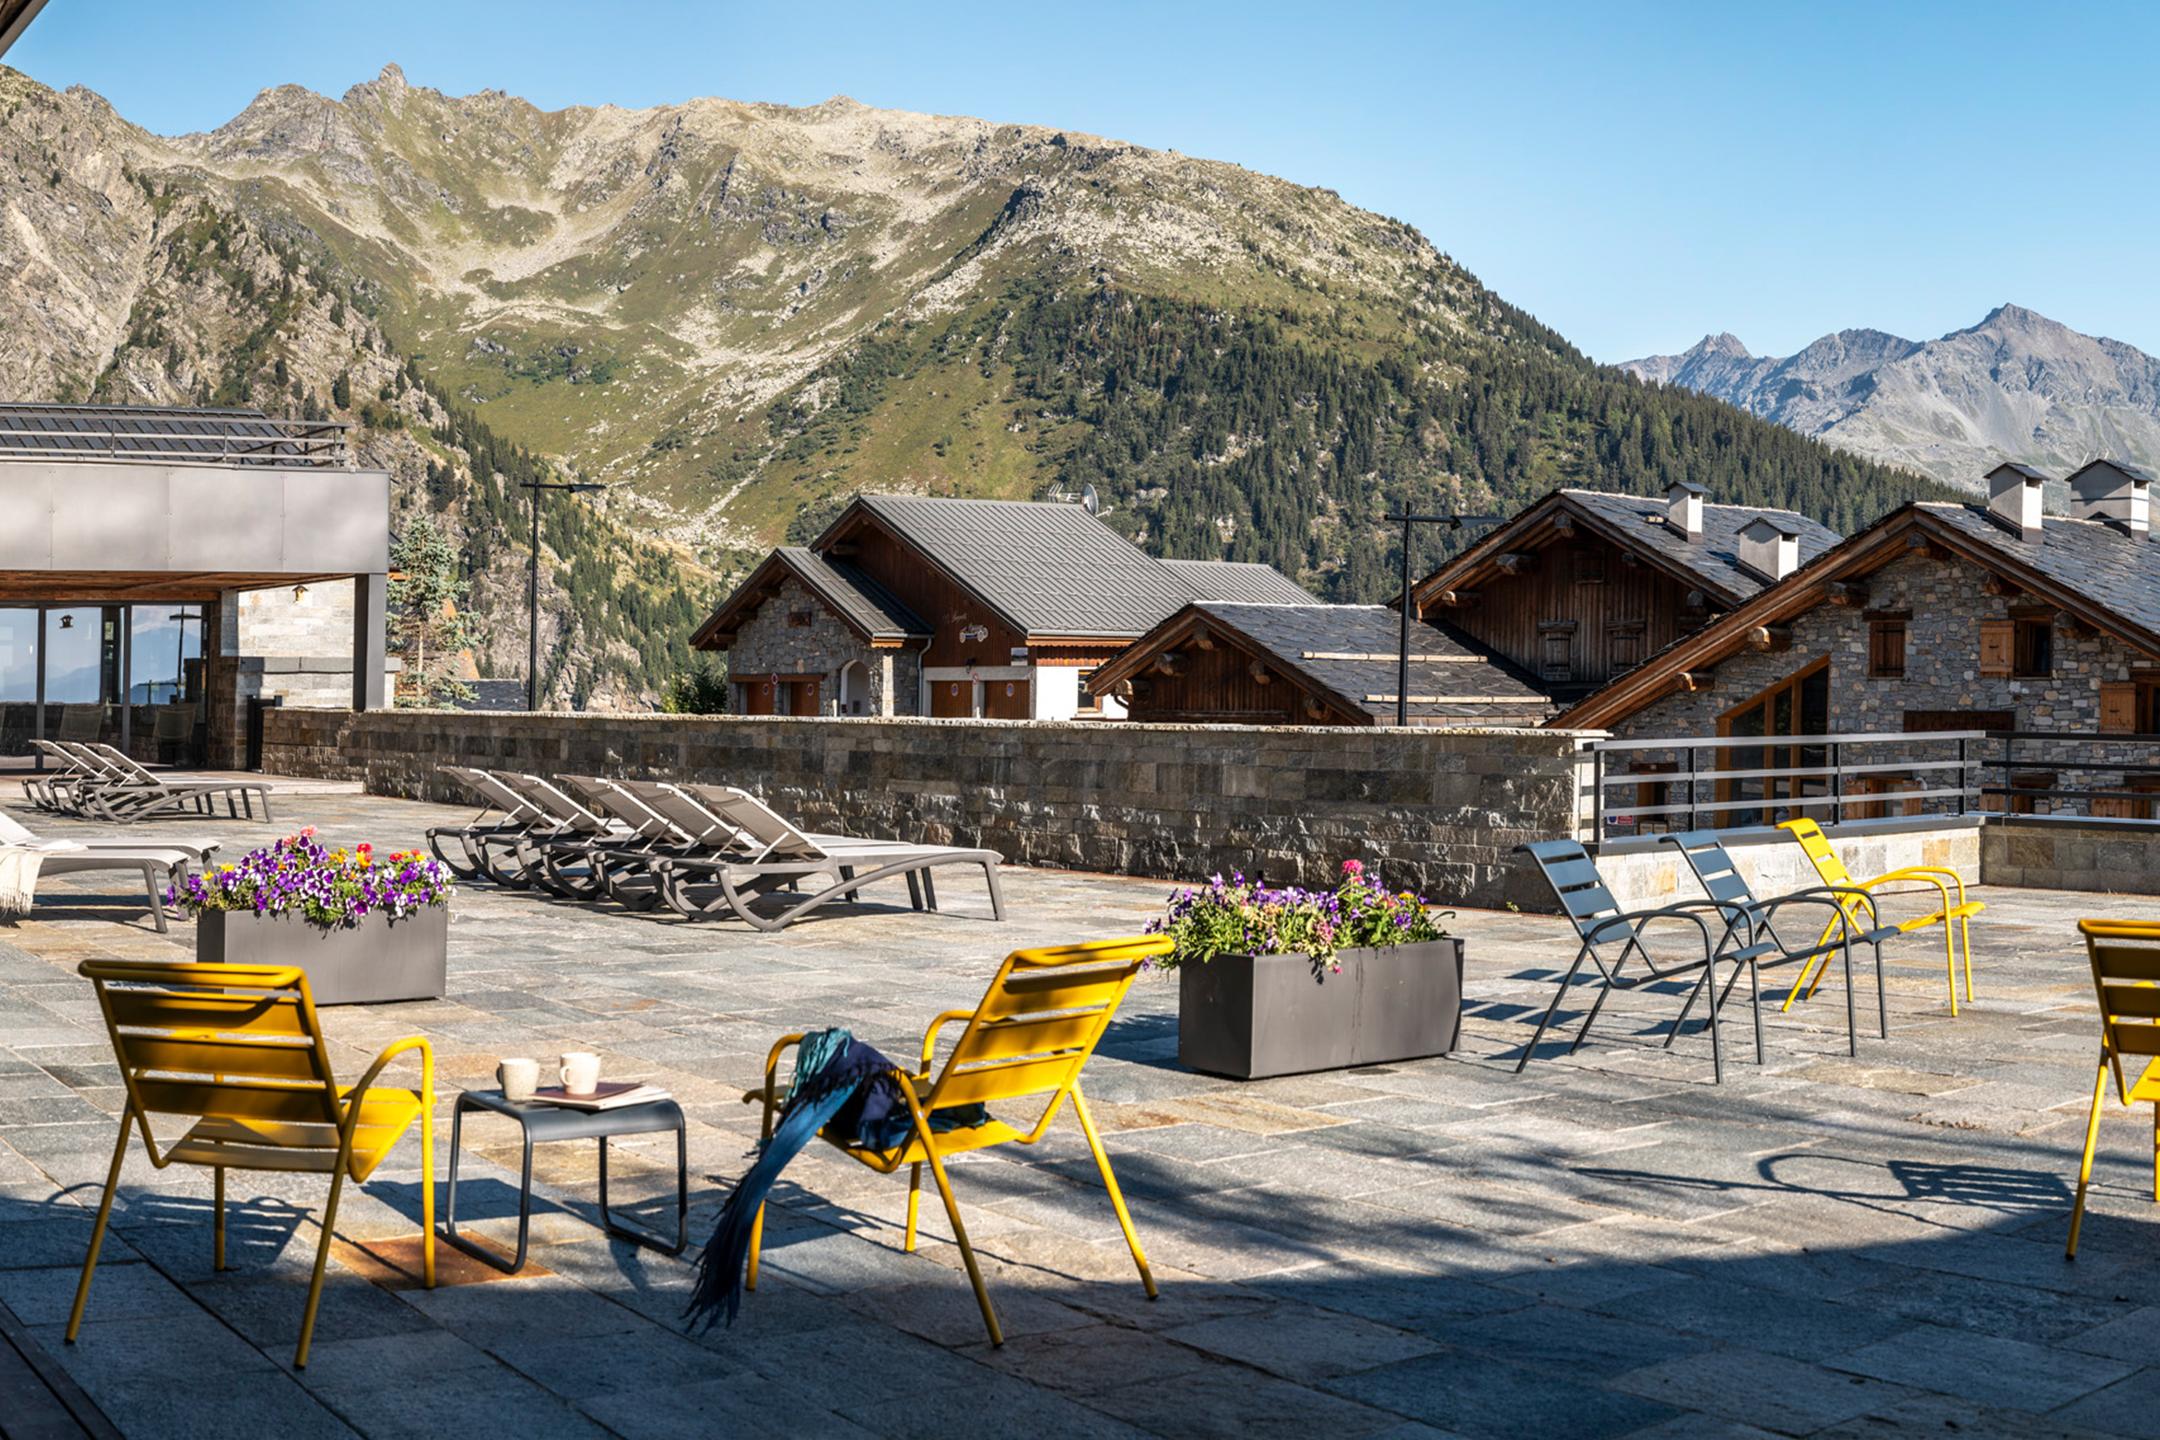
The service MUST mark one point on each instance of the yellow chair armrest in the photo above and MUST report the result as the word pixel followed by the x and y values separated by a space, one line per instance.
pixel 1917 872
pixel 355 1095
pixel 1955 878
pixel 769 1096
pixel 929 1039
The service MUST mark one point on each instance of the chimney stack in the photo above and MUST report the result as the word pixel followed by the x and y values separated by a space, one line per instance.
pixel 2118 494
pixel 2014 498
pixel 1683 509
pixel 1770 549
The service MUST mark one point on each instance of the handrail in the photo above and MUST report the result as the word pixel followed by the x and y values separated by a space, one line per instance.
pixel 206 437
pixel 1843 771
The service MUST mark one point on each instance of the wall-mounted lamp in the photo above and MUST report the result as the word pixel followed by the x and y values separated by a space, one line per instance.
pixel 299 594
pixel 67 622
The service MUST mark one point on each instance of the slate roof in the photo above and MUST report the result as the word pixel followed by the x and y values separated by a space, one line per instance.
pixel 1713 559
pixel 866 605
pixel 1296 635
pixel 97 432
pixel 1242 580
pixel 2111 568
pixel 1046 567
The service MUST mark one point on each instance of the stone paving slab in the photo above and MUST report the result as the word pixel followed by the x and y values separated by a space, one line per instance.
pixel 1604 1244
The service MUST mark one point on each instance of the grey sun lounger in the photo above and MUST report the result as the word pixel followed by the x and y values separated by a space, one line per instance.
pixel 161 865
pixel 123 790
pixel 774 855
pixel 472 840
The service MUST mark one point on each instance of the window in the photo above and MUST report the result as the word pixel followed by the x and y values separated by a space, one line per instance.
pixel 2131 707
pixel 1556 650
pixel 1886 649
pixel 1921 722
pixel 1090 702
pixel 801 619
pixel 1589 566
pixel 1624 646
pixel 2033 647
pixel 1795 707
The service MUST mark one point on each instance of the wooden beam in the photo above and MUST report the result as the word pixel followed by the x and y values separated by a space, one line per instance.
pixel 1846 593
pixel 1450 599
pixel 1769 637
pixel 1314 710
pixel 1696 681
pixel 1201 639
pixel 1563 524
pixel 1261 675
pixel 1167 663
pixel 1696 600
pixel 1515 562
pixel 1994 584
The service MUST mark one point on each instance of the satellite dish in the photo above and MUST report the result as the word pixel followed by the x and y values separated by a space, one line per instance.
pixel 1090 501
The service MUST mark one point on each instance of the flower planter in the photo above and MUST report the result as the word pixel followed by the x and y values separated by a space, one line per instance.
pixel 372 960
pixel 1252 1016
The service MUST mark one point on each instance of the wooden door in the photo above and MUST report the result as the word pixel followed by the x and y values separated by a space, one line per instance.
pixel 952 699
pixel 802 696
pixel 757 695
pixel 1006 699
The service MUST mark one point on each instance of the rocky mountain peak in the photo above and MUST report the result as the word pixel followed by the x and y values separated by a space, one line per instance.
pixel 1724 343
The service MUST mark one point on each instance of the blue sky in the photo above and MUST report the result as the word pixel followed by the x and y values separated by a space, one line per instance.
pixel 1634 175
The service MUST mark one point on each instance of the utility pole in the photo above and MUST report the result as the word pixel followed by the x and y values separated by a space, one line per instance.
pixel 1409 521
pixel 532 632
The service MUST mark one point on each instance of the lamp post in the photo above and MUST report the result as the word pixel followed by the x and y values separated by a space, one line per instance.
pixel 532 633
pixel 1408 521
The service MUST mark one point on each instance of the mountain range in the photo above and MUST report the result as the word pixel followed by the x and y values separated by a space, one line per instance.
pixel 2016 386
pixel 739 315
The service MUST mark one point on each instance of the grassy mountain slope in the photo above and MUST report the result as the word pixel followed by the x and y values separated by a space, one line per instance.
pixel 744 313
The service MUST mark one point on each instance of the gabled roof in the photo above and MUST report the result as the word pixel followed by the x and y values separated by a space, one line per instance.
pixel 863 605
pixel 1241 580
pixel 1347 655
pixel 2092 569
pixel 1710 563
pixel 1044 567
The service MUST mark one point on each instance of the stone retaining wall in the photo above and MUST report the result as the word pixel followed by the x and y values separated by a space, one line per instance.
pixel 1439 810
pixel 2116 859
pixel 1773 864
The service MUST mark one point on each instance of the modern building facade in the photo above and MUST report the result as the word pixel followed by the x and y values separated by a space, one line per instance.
pixel 161 567
pixel 922 605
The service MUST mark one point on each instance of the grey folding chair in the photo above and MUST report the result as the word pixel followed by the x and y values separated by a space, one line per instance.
pixel 1600 923
pixel 1722 882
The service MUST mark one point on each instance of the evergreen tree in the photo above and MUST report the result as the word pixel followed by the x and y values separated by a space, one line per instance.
pixel 427 627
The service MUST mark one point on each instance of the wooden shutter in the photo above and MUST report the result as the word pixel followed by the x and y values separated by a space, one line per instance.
pixel 1998 646
pixel 2118 708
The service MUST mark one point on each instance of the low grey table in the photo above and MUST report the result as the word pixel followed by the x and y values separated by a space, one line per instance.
pixel 540 1121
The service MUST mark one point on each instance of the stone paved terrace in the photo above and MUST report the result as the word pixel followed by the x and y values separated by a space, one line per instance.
pixel 1605 1245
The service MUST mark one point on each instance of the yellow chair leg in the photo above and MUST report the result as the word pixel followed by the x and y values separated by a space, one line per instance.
pixel 2092 1137
pixel 1950 964
pixel 97 1231
pixel 427 1195
pixel 914 1202
pixel 217 1244
pixel 322 1257
pixel 2156 1152
pixel 757 1243
pixel 1117 1197
pixel 959 1230
pixel 1965 932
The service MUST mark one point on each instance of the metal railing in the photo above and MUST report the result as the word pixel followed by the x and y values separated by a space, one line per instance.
pixel 197 437
pixel 1736 781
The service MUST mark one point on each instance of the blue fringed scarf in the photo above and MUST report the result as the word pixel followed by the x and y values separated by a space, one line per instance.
pixel 839 1082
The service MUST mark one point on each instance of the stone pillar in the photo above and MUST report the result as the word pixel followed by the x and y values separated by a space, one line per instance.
pixel 225 687
pixel 369 643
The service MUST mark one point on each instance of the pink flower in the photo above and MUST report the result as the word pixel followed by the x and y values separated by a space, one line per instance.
pixel 1353 867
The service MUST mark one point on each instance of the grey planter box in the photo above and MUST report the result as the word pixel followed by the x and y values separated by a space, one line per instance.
pixel 375 960
pixel 1251 1016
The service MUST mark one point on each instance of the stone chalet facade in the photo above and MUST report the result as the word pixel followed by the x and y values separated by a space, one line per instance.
pixel 1938 617
pixel 921 605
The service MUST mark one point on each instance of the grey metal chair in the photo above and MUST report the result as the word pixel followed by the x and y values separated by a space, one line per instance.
pixel 1600 923
pixel 1721 880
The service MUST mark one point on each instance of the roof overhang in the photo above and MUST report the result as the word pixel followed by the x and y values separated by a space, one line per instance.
pixel 15 17
pixel 66 523
pixel 719 629
pixel 1908 527
pixel 1186 625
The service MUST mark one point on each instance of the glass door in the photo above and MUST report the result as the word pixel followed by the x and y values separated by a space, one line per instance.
pixel 18 681
pixel 164 694
pixel 82 673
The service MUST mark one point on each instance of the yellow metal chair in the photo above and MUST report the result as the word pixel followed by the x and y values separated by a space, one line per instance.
pixel 236 1052
pixel 1035 1028
pixel 2126 979
pixel 1958 909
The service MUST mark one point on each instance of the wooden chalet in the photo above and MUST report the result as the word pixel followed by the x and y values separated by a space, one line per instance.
pixel 922 605
pixel 1581 586
pixel 1217 662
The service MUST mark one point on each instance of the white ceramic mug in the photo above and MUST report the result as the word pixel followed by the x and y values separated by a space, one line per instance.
pixel 518 1078
pixel 580 1072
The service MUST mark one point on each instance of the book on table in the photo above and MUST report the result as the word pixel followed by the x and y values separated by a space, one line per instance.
pixel 608 1095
